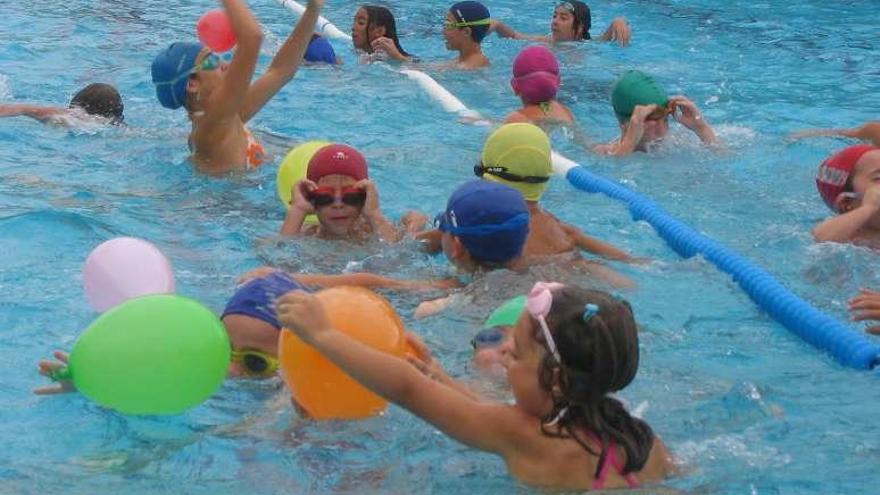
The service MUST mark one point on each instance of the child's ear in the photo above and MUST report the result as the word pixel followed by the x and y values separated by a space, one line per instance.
pixel 192 85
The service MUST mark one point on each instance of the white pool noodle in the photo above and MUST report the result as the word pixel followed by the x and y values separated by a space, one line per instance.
pixel 323 26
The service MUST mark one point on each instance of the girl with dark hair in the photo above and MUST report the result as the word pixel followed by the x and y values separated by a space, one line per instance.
pixel 571 22
pixel 572 348
pixel 375 31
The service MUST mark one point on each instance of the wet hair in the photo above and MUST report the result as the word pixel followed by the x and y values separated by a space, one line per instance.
pixel 599 355
pixel 378 16
pixel 99 99
pixel 582 17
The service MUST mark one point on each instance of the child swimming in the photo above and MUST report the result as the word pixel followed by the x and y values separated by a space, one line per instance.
pixel 643 109
pixel 95 100
pixel 849 183
pixel 467 23
pixel 338 191
pixel 536 81
pixel 374 32
pixel 220 98
pixel 572 348
pixel 571 22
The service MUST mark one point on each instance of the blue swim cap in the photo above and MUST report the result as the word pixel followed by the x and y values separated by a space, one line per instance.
pixel 320 50
pixel 171 69
pixel 473 15
pixel 256 298
pixel 490 218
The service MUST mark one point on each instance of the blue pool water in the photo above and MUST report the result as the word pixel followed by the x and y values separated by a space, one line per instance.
pixel 745 406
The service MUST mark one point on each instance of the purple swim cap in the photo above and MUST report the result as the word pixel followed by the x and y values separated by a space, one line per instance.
pixel 536 75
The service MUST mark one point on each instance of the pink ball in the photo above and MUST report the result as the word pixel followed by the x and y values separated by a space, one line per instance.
pixel 215 31
pixel 123 268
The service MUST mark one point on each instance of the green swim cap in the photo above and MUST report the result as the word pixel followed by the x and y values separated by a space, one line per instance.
pixel 523 150
pixel 506 314
pixel 636 88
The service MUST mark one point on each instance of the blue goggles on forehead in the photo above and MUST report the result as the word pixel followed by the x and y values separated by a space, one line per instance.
pixel 448 222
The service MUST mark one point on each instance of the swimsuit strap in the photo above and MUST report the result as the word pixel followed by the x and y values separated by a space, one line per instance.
pixel 545 107
pixel 613 460
pixel 255 151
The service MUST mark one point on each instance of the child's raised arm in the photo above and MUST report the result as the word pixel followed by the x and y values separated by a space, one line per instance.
pixel 482 425
pixel 232 94
pixel 285 63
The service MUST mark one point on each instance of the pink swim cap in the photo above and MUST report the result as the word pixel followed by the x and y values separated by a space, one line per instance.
pixel 535 75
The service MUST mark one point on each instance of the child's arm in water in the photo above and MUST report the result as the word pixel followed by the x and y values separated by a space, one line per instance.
pixel 483 425
pixel 618 31
pixel 505 31
pixel 594 245
pixel 36 112
pixel 846 226
pixel 284 64
pixel 868 132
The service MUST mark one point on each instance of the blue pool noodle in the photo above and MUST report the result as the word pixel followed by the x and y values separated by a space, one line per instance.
pixel 800 317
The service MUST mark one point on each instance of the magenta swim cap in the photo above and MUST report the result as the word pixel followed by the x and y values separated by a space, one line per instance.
pixel 535 75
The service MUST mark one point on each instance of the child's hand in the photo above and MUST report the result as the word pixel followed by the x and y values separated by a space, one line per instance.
pixel 686 112
pixel 386 45
pixel 371 205
pixel 414 222
pixel 866 306
pixel 300 194
pixel 304 314
pixel 47 368
pixel 619 31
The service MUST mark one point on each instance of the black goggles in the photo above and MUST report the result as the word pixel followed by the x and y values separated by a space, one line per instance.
pixel 502 173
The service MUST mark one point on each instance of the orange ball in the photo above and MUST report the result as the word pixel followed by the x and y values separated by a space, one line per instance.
pixel 321 389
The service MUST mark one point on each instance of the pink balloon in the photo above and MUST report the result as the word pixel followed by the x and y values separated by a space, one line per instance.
pixel 123 268
pixel 215 31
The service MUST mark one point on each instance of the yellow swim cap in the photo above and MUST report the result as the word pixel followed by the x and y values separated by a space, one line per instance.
pixel 520 151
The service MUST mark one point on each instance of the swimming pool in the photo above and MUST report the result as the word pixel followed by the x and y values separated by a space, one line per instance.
pixel 746 405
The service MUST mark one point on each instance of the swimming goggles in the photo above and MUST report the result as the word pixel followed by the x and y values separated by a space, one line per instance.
pixel 538 304
pixel 502 173
pixel 488 337
pixel 567 6
pixel 463 24
pixel 326 196
pixel 210 62
pixel 448 222
pixel 256 363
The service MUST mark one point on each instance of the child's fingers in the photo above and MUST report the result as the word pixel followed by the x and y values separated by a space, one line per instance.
pixel 860 303
pixel 867 314
pixel 48 390
pixel 61 356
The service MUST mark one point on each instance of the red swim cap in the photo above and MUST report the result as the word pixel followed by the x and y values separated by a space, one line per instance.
pixel 836 170
pixel 337 159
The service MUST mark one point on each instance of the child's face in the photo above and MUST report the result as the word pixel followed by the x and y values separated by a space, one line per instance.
pixel 522 363
pixel 359 30
pixel 562 25
pixel 247 333
pixel 337 218
pixel 490 359
pixel 454 36
pixel 867 172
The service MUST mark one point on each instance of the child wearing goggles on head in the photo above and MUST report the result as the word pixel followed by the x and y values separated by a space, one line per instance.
pixel 849 183
pixel 338 191
pixel 643 109
pixel 95 100
pixel 467 23
pixel 571 22
pixel 571 349
pixel 219 98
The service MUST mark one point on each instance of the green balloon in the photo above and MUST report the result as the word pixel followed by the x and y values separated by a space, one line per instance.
pixel 506 314
pixel 157 354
